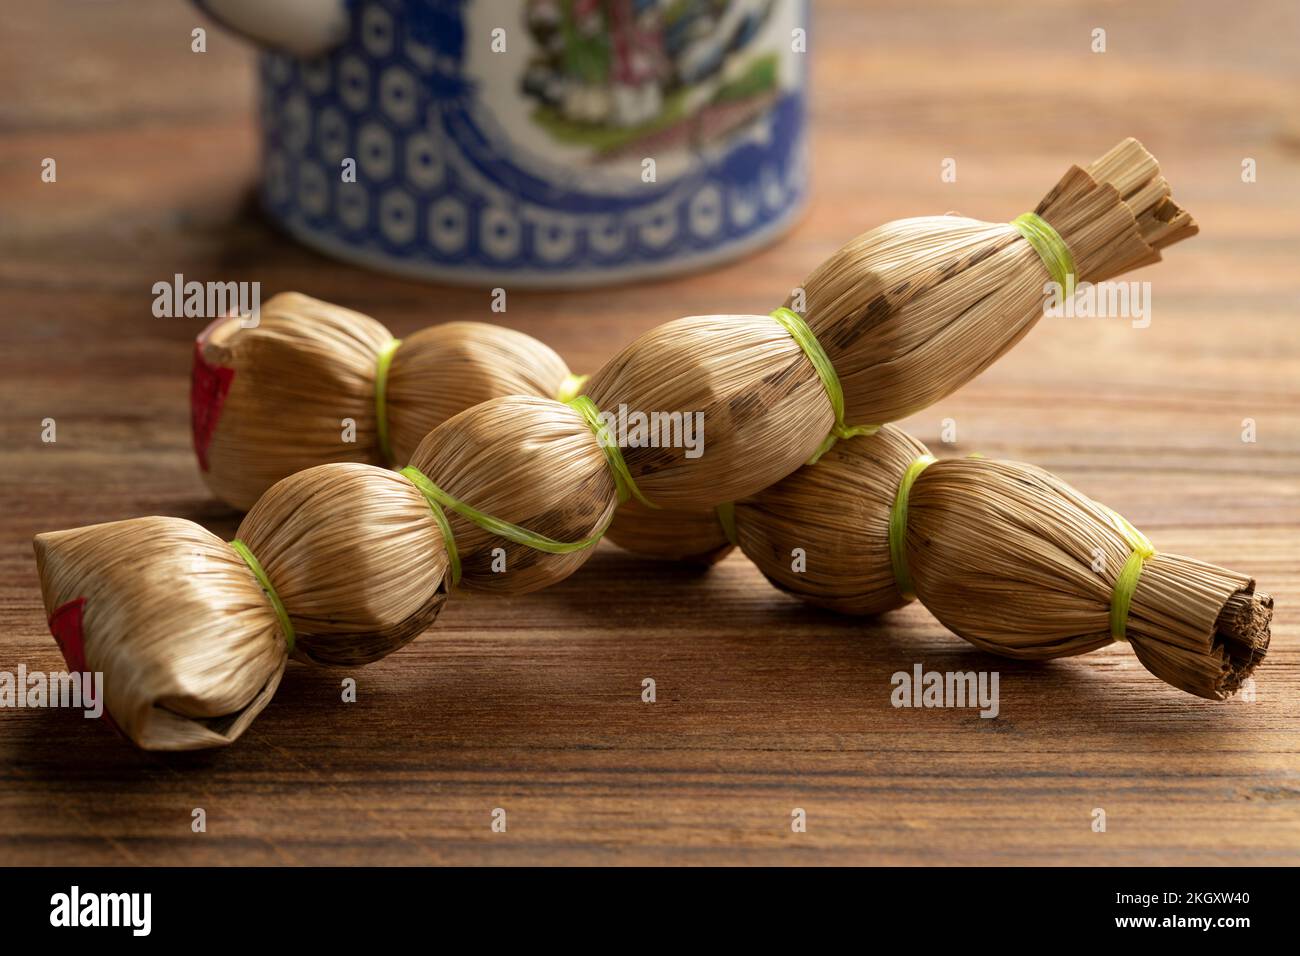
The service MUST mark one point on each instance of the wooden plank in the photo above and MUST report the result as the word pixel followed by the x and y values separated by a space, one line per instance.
pixel 533 703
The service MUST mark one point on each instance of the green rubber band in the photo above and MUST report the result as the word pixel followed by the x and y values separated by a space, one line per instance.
pixel 1051 248
pixel 623 481
pixel 803 335
pixel 727 518
pixel 1121 599
pixel 571 387
pixel 427 488
pixel 531 539
pixel 381 396
pixel 259 572
pixel 898 525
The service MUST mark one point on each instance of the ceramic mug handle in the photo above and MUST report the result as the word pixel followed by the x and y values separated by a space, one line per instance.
pixel 305 28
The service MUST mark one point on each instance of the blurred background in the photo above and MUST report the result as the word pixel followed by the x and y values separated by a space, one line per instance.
pixel 160 164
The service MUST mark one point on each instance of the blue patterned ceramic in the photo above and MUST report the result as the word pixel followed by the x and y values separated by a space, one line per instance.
pixel 527 165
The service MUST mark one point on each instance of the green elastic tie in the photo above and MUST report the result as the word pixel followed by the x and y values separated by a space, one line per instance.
pixel 1051 248
pixel 255 566
pixel 898 526
pixel 727 518
pixel 381 395
pixel 430 490
pixel 538 542
pixel 799 330
pixel 1121 598
pixel 613 454
pixel 571 387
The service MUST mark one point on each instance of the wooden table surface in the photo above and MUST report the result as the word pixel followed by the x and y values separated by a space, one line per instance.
pixel 532 704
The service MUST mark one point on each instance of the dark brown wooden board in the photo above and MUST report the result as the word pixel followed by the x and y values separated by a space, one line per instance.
pixel 532 704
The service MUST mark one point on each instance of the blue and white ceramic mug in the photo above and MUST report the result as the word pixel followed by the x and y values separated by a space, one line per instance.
pixel 541 142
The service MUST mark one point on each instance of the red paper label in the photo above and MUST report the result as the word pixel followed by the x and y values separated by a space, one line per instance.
pixel 209 385
pixel 65 625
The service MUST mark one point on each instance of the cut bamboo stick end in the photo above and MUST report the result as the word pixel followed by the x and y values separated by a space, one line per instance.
pixel 1116 213
pixel 1212 659
pixel 1166 224
pixel 1242 632
pixel 1136 176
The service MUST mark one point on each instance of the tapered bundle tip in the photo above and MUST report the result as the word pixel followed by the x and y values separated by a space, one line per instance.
pixel 1215 664
pixel 1242 633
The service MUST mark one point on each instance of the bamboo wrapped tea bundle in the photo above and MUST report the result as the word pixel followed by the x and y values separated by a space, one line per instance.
pixel 904 315
pixel 345 562
pixel 277 397
pixel 1003 554
pixel 339 564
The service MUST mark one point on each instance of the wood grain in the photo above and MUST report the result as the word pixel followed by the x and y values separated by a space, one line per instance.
pixel 532 704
